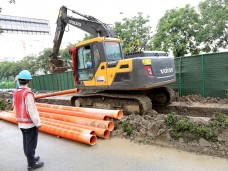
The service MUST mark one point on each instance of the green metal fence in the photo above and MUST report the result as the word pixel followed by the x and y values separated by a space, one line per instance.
pixel 205 75
pixel 53 82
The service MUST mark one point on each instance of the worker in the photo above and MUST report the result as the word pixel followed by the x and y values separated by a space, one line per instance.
pixel 17 82
pixel 27 118
pixel 88 64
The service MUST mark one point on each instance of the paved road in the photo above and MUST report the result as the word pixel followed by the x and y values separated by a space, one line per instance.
pixel 107 155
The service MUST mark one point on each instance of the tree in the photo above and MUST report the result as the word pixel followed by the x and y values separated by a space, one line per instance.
pixel 176 31
pixel 10 68
pixel 87 37
pixel 29 63
pixel 214 27
pixel 42 60
pixel 4 69
pixel 64 53
pixel 133 32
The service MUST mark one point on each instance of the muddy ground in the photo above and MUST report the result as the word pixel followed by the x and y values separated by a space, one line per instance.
pixel 203 131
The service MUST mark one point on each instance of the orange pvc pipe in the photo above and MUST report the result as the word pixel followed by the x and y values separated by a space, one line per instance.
pixel 69 134
pixel 82 121
pixel 73 128
pixel 100 132
pixel 58 93
pixel 11 112
pixel 72 113
pixel 116 114
pixel 8 117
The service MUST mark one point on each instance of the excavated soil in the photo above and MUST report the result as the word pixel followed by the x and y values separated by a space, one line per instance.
pixel 151 128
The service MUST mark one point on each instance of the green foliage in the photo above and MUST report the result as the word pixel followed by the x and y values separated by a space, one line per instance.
pixel 175 134
pixel 214 28
pixel 87 37
pixel 2 104
pixel 133 32
pixel 176 31
pixel 42 60
pixel 180 127
pixel 13 68
pixel 31 63
pixel 64 53
pixel 28 63
pixel 127 127
pixel 222 119
pixel 6 85
pixel 186 30
pixel 169 120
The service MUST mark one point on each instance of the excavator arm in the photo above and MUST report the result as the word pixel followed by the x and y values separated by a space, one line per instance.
pixel 88 24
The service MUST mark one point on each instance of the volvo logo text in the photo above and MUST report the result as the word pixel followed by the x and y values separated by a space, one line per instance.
pixel 75 23
pixel 166 70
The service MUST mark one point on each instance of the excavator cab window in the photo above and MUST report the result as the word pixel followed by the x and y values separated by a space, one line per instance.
pixel 85 64
pixel 96 54
pixel 113 51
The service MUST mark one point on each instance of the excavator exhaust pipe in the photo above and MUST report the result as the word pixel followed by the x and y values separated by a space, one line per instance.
pixel 57 66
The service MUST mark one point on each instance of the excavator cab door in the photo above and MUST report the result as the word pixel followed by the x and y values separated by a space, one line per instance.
pixel 85 63
pixel 100 67
pixel 88 63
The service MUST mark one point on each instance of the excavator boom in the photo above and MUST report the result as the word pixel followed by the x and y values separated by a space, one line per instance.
pixel 89 24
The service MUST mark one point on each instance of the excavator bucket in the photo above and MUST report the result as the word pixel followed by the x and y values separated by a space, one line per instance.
pixel 57 66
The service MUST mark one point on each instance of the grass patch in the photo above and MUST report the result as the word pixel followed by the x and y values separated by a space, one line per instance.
pixel 222 119
pixel 128 128
pixel 182 127
pixel 2 104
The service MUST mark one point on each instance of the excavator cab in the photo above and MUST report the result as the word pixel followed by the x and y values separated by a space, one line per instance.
pixel 90 59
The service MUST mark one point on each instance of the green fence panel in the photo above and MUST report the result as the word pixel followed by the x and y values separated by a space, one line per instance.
pixel 216 75
pixel 190 75
pixel 53 82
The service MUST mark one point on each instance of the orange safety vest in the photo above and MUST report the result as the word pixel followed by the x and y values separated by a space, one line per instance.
pixel 22 115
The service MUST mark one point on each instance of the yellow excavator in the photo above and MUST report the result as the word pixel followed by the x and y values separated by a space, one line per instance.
pixel 112 80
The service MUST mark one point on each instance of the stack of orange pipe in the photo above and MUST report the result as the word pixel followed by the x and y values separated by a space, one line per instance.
pixel 72 113
pixel 100 132
pixel 103 133
pixel 75 134
pixel 116 114
pixel 75 123
pixel 79 120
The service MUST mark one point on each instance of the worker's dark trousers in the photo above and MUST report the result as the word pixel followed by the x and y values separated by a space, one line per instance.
pixel 30 137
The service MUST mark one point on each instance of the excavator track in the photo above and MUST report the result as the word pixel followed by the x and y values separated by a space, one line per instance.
pixel 129 103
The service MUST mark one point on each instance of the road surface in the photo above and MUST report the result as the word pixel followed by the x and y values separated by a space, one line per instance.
pixel 114 154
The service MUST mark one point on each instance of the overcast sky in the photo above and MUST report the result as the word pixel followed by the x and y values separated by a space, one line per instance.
pixel 104 10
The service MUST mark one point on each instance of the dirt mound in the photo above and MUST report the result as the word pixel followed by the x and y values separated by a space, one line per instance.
pixel 201 135
pixel 198 98
pixel 6 100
